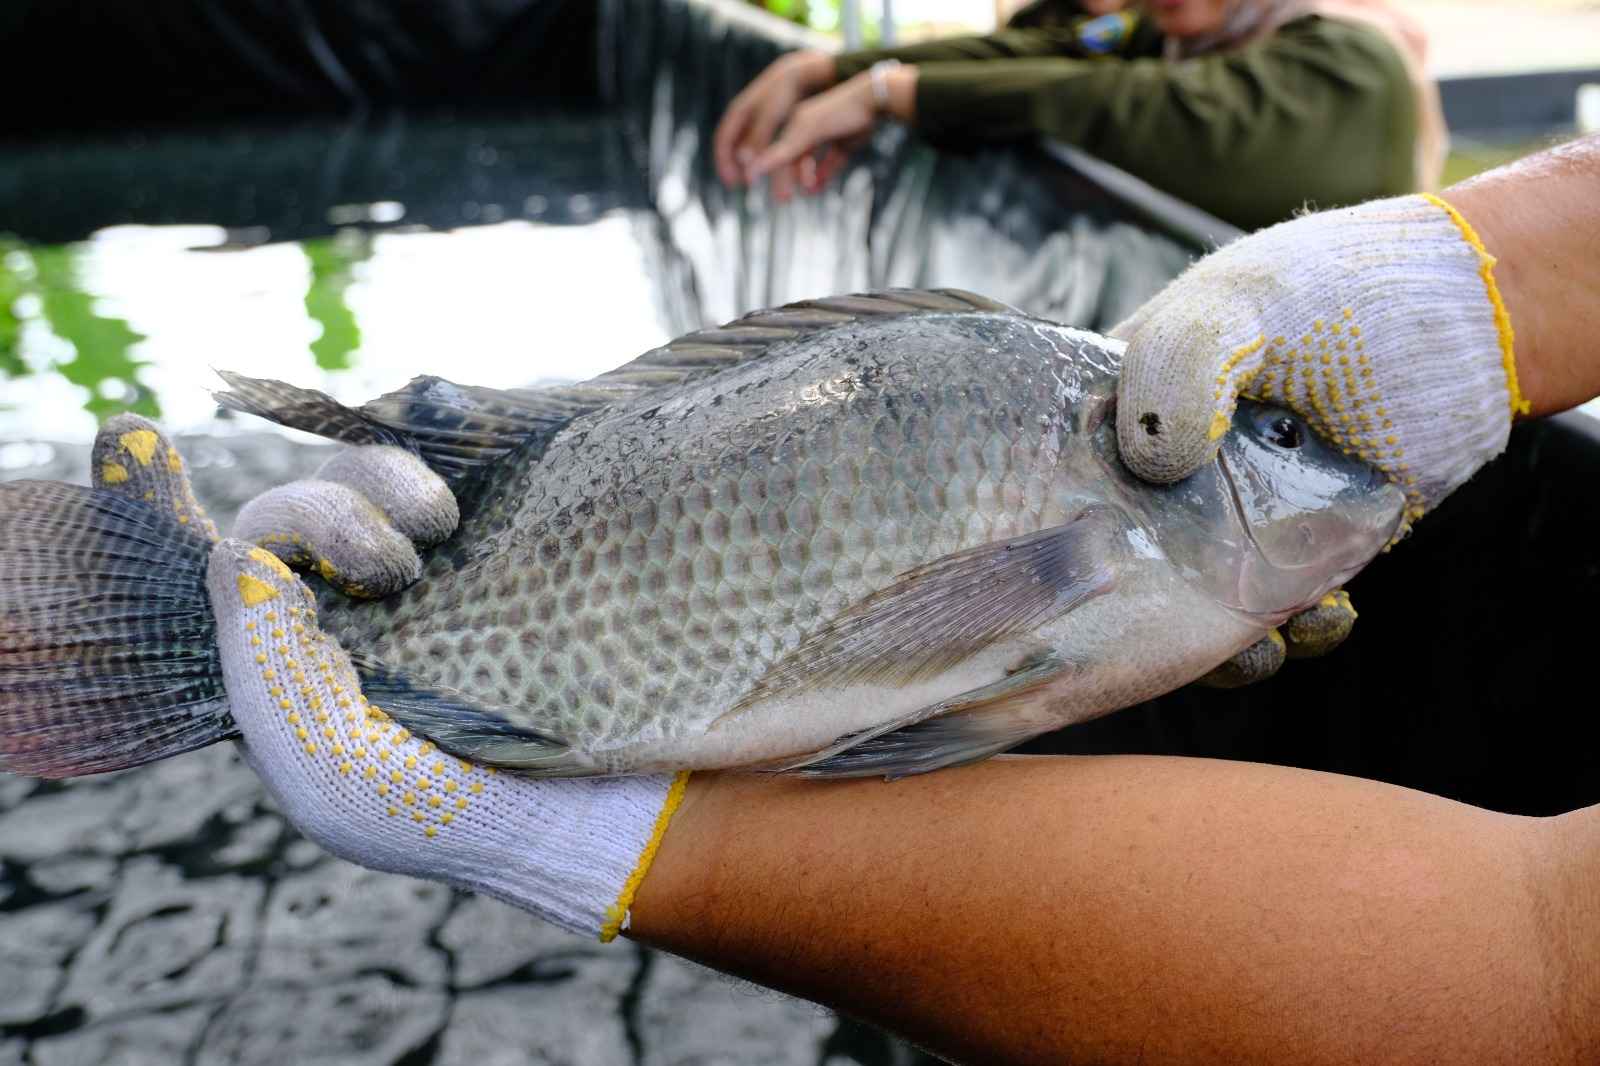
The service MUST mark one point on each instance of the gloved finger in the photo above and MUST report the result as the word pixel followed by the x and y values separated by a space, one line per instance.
pixel 133 458
pixel 1322 628
pixel 1256 663
pixel 1180 382
pixel 345 773
pixel 356 522
pixel 416 500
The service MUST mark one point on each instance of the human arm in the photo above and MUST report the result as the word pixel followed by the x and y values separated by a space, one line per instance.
pixel 755 116
pixel 1539 218
pixel 1405 332
pixel 1131 909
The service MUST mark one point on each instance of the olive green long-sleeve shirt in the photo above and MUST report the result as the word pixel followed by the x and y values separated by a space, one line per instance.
pixel 1322 112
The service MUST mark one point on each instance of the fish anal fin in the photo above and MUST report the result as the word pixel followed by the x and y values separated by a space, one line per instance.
pixel 462 724
pixel 964 729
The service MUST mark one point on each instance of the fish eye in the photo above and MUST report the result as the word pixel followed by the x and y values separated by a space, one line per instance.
pixel 1285 432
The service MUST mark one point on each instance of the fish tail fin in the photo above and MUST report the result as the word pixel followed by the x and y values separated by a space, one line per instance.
pixel 108 647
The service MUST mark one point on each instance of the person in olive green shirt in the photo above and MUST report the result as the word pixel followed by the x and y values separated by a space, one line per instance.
pixel 1250 109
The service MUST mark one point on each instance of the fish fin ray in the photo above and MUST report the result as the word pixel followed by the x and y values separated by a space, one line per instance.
pixel 461 724
pixel 709 351
pixel 942 612
pixel 458 430
pixel 108 648
pixel 965 729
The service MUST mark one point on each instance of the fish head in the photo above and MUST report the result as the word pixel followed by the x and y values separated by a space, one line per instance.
pixel 1309 515
pixel 1277 519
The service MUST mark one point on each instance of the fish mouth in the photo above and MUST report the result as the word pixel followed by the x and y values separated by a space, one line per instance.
pixel 1370 522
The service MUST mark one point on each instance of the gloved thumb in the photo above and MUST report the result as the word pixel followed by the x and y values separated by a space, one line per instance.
pixel 1180 380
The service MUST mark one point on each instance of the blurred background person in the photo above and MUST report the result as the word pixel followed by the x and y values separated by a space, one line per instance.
pixel 1250 109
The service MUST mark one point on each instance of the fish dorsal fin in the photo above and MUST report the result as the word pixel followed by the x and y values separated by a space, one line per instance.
pixel 707 351
pixel 460 430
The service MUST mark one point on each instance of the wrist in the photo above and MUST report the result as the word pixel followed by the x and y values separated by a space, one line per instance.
pixel 682 884
pixel 1482 212
pixel 901 92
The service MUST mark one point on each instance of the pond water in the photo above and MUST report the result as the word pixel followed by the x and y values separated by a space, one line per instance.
pixel 500 251
pixel 499 254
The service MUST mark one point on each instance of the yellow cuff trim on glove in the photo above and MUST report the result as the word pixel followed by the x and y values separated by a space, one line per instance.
pixel 617 913
pixel 1502 318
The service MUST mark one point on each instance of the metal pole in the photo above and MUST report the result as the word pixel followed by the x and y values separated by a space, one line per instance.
pixel 850 23
pixel 887 23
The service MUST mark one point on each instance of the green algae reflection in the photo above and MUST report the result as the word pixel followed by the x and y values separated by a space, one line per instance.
pixel 50 323
pixel 43 285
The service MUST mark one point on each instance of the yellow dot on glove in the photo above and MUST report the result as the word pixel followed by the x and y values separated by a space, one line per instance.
pixel 254 592
pixel 141 444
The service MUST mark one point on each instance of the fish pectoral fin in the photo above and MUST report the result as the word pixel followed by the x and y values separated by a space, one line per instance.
pixel 941 613
pixel 967 728
pixel 461 724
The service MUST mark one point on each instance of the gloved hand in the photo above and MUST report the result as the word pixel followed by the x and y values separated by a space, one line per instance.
pixel 1380 324
pixel 351 779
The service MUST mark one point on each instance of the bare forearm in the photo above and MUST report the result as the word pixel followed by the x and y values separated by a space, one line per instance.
pixel 1122 909
pixel 1540 218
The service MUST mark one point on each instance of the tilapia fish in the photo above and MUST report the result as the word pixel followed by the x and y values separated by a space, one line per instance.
pixel 863 535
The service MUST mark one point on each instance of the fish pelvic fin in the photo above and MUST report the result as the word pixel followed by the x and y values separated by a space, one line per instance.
pixel 464 725
pixel 968 728
pixel 108 649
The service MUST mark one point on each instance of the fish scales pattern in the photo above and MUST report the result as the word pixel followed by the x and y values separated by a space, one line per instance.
pixel 664 555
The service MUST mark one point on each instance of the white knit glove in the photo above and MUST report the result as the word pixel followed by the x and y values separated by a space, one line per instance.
pixel 354 781
pixel 1380 324
pixel 572 852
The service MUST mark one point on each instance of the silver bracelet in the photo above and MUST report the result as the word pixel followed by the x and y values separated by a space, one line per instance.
pixel 878 75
